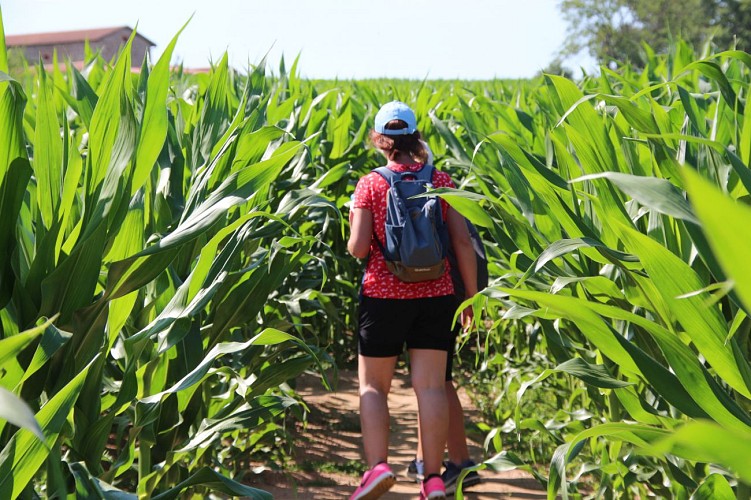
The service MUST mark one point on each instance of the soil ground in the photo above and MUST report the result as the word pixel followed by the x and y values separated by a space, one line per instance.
pixel 327 462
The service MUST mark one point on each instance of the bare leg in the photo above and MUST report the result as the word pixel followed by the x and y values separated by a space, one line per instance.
pixel 375 376
pixel 428 368
pixel 457 437
pixel 418 453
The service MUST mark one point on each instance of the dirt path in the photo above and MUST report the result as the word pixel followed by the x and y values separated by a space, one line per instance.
pixel 329 455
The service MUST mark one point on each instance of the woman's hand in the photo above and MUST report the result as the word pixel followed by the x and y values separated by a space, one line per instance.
pixel 467 317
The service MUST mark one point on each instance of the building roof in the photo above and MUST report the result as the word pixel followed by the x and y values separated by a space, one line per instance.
pixel 58 37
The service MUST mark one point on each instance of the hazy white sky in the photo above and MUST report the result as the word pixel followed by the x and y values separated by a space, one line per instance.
pixel 467 39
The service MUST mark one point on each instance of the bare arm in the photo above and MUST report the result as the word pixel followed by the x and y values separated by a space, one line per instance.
pixel 361 227
pixel 465 257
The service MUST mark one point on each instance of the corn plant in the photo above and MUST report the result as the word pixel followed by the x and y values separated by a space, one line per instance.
pixel 144 247
pixel 171 259
pixel 607 201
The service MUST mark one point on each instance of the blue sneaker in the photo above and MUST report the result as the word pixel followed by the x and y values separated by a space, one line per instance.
pixel 452 473
pixel 416 470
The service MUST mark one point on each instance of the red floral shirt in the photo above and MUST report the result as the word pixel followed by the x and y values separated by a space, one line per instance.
pixel 379 282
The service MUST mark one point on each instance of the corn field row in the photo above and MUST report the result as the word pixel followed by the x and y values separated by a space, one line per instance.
pixel 172 257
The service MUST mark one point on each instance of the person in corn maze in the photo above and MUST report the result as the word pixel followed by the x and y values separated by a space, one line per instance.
pixel 458 451
pixel 394 312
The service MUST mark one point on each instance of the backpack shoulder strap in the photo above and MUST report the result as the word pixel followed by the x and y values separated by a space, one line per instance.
pixel 387 174
pixel 426 173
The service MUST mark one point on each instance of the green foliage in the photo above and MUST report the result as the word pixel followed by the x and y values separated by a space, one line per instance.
pixel 626 31
pixel 617 326
pixel 733 25
pixel 181 247
pixel 185 235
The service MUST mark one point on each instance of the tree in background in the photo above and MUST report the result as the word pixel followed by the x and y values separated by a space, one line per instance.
pixel 733 24
pixel 614 30
pixel 603 28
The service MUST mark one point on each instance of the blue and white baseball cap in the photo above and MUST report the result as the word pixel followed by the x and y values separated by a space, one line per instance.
pixel 395 110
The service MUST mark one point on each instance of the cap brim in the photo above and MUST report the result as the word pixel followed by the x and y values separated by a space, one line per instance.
pixel 399 131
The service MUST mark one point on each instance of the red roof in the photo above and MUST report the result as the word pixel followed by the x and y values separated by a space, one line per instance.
pixel 58 37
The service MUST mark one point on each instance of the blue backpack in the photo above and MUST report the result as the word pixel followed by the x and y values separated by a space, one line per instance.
pixel 416 234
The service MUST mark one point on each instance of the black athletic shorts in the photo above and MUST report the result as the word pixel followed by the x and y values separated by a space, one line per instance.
pixel 386 325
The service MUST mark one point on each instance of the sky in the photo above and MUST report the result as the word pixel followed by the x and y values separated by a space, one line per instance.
pixel 436 39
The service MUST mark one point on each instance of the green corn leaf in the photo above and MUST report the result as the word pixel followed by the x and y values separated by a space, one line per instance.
pixel 657 194
pixel 128 241
pixel 448 136
pixel 153 129
pixel 280 372
pixel 12 346
pixel 691 389
pixel 208 277
pixel 745 140
pixel 641 119
pixel 689 369
pixel 247 298
pixel 249 416
pixel 52 340
pixel 83 98
pixel 217 482
pixel 565 246
pixel 639 410
pixel 739 55
pixel 707 329
pixel 582 117
pixel 130 274
pixel 530 164
pixel 252 146
pixel 639 435
pixel 466 203
pixel 89 486
pixel 269 336
pixel 743 171
pixel 25 454
pixel 48 153
pixel 15 172
pixel 129 238
pixel 70 286
pixel 331 176
pixel 597 286
pixel 721 217
pixel 596 375
pixel 711 443
pixel 713 71
pixel 213 115
pixel 341 130
pixel 714 487
pixel 107 119
pixel 239 230
pixel 3 48
pixel 17 412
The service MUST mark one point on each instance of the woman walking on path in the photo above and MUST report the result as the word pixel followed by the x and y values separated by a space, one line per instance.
pixel 458 451
pixel 394 312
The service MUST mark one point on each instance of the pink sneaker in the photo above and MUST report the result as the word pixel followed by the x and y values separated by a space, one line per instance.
pixel 432 489
pixel 375 483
